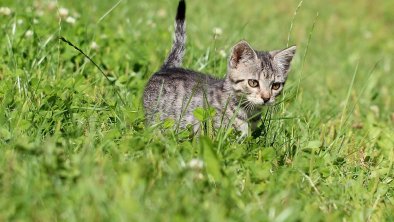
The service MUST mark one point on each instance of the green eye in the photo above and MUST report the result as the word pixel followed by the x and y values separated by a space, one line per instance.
pixel 253 83
pixel 276 86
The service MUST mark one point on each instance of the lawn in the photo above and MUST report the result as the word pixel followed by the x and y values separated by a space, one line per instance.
pixel 74 146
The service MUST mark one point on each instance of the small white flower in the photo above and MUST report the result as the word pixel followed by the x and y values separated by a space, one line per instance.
pixel 151 23
pixel 367 34
pixel 94 46
pixel 35 21
pixel 5 11
pixel 39 13
pixel 76 15
pixel 162 13
pixel 199 176
pixel 19 21
pixel 63 12
pixel 52 5
pixel 196 164
pixel 387 65
pixel 29 33
pixel 375 109
pixel 70 20
pixel 217 31
pixel 223 53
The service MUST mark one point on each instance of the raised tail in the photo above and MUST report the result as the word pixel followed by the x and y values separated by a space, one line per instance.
pixel 175 57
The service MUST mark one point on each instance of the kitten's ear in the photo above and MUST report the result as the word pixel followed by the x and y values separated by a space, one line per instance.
pixel 241 53
pixel 283 57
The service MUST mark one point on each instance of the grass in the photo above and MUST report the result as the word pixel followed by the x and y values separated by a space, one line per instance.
pixel 70 150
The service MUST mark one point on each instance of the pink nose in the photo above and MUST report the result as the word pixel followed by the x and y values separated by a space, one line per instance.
pixel 265 99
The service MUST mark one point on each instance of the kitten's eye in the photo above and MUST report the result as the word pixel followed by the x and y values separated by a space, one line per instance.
pixel 276 86
pixel 253 83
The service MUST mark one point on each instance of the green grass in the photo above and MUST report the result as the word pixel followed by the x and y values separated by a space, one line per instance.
pixel 70 150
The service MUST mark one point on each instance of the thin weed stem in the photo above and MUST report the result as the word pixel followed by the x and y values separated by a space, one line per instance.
pixel 306 53
pixel 91 60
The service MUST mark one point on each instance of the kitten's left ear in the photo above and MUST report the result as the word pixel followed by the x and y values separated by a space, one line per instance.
pixel 283 57
pixel 241 53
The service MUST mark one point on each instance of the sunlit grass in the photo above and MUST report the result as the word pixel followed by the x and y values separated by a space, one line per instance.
pixel 70 150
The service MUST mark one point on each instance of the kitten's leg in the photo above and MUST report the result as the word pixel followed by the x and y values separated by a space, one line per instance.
pixel 253 125
pixel 254 121
pixel 242 126
pixel 196 129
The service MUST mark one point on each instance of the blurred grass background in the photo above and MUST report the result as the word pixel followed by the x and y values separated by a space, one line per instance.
pixel 71 151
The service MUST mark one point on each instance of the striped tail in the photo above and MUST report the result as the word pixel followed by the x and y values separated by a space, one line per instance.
pixel 175 57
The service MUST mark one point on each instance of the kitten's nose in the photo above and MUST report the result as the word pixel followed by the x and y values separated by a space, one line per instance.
pixel 265 97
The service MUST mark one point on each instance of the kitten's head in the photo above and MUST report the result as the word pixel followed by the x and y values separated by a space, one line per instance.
pixel 256 75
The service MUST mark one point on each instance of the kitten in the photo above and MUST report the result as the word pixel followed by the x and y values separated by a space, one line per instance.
pixel 254 78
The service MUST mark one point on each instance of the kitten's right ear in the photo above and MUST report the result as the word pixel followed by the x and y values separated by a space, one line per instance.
pixel 241 53
pixel 283 57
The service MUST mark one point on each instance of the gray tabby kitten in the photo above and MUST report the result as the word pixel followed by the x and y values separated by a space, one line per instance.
pixel 254 78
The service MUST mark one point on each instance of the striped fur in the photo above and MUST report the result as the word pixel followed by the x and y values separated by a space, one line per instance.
pixel 175 93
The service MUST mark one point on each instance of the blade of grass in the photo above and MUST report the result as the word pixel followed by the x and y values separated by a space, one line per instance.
pixel 97 66
pixel 109 11
pixel 306 52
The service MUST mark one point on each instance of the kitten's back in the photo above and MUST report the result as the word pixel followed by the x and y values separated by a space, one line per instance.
pixel 175 92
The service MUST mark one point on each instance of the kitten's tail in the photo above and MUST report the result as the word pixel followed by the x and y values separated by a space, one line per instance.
pixel 175 57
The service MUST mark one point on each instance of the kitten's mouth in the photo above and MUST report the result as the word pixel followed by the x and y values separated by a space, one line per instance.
pixel 257 102
pixel 260 104
pixel 269 103
pixel 253 103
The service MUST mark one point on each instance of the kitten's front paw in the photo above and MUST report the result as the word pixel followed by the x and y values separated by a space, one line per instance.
pixel 244 130
pixel 242 137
